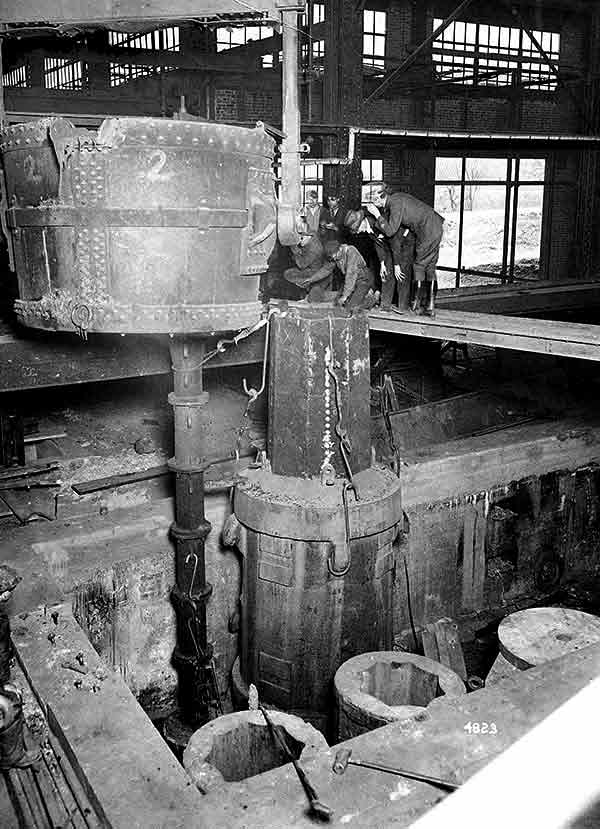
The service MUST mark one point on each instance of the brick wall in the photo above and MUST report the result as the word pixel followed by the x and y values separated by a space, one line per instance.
pixel 227 103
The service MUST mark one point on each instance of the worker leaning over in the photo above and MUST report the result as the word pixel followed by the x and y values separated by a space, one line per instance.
pixel 395 211
pixel 13 752
pixel 359 282
pixel 392 258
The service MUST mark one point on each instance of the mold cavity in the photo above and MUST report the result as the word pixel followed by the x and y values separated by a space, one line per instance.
pixel 400 683
pixel 250 749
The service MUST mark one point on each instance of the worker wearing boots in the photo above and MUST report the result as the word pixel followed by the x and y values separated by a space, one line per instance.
pixel 392 258
pixel 13 751
pixel 395 211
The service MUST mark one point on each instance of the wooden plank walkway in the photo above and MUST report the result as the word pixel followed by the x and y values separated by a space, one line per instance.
pixel 560 339
pixel 523 298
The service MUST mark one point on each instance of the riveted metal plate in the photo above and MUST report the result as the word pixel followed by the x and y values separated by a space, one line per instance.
pixel 168 223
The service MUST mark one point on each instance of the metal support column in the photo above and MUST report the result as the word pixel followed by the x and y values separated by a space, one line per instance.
pixel 192 656
pixel 290 196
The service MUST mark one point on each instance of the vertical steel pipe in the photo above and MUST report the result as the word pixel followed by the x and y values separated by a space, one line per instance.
pixel 192 655
pixel 290 196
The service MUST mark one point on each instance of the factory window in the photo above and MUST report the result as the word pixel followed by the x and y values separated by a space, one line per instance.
pixel 121 73
pixel 268 61
pixel 229 37
pixel 492 209
pixel 318 15
pixel 17 77
pixel 372 171
pixel 374 26
pixel 482 55
pixel 318 55
pixel 158 39
pixel 63 73
pixel 312 179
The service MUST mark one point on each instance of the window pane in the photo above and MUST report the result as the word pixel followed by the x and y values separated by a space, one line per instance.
pixel 368 17
pixel 483 227
pixel 447 203
pixel 529 232
pixel 449 32
pixel 380 22
pixel 448 168
pixel 485 169
pixel 532 169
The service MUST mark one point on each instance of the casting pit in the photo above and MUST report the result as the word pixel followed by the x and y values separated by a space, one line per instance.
pixel 400 683
pixel 376 688
pixel 240 745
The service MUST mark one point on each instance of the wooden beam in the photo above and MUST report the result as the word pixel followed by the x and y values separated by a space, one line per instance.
pixel 521 299
pixel 472 465
pixel 46 360
pixel 560 339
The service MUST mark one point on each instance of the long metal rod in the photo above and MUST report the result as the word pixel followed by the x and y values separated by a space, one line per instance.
pixel 410 775
pixel 492 136
pixel 319 808
pixel 413 55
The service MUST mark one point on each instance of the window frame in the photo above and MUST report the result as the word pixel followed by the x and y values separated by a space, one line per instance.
pixel 66 80
pixel 374 60
pixel 512 182
pixel 497 56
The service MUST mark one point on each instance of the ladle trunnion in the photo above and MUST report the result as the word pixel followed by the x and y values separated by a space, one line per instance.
pixel 146 226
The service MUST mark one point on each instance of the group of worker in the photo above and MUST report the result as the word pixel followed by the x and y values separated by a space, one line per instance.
pixel 394 236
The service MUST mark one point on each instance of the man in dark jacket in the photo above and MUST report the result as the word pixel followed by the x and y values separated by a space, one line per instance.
pixel 392 258
pixel 309 258
pixel 331 222
pixel 395 211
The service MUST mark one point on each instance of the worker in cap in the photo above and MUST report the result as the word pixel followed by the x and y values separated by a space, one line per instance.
pixel 393 212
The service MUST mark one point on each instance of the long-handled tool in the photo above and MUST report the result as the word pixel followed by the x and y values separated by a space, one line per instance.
pixel 342 761
pixel 319 809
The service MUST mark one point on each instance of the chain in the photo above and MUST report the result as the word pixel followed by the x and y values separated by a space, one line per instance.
pixel 254 394
pixel 385 410
pixel 344 440
pixel 345 451
pixel 224 344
